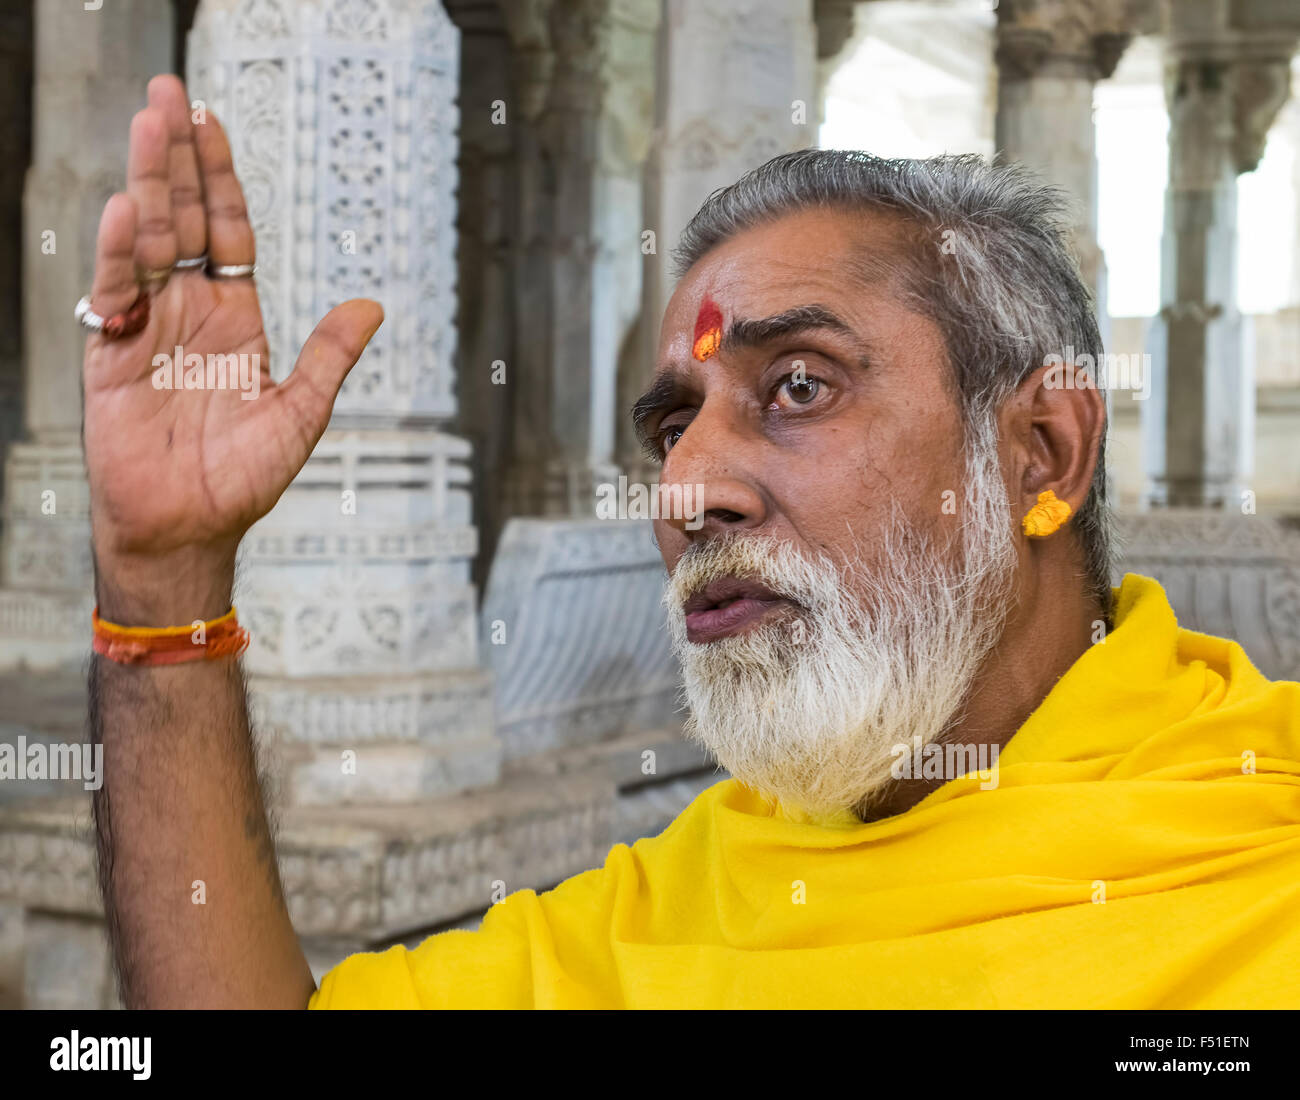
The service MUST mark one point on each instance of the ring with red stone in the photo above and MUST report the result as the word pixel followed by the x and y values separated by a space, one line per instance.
pixel 127 323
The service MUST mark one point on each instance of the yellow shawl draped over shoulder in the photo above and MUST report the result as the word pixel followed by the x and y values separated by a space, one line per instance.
pixel 1141 850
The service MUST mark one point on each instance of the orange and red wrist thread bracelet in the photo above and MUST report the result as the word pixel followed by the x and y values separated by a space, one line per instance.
pixel 169 645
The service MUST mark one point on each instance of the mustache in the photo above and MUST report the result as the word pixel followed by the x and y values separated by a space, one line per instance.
pixel 779 567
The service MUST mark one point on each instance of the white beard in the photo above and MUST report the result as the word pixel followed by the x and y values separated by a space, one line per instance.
pixel 807 709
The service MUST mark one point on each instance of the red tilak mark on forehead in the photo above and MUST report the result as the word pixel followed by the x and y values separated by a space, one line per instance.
pixel 708 330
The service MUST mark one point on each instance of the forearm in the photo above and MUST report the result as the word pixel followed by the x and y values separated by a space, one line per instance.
pixel 187 865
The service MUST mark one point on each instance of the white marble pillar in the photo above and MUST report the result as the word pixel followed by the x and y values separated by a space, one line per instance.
pixel 356 588
pixel 1223 90
pixel 91 68
pixel 1050 54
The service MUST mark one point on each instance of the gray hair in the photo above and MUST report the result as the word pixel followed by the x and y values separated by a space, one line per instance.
pixel 1003 286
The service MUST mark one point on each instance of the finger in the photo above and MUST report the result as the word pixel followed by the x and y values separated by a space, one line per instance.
pixel 148 181
pixel 329 353
pixel 167 94
pixel 115 288
pixel 230 237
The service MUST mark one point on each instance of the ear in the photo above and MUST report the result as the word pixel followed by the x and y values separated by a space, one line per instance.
pixel 1054 425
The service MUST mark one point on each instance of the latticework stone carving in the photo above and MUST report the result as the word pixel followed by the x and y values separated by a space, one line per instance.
pixel 342 116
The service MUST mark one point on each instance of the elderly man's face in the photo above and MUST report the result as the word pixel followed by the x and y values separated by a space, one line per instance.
pixel 830 603
pixel 821 463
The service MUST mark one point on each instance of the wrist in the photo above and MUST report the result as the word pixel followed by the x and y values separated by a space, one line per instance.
pixel 172 589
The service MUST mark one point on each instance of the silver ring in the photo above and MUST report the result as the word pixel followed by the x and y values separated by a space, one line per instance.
pixel 232 271
pixel 193 261
pixel 88 318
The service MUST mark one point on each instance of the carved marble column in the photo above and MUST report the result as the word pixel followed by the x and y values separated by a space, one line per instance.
pixel 1223 88
pixel 91 68
pixel 584 90
pixel 1050 53
pixel 356 587
pixel 737 85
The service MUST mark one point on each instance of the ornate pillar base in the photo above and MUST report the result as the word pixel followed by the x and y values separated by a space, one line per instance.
pixel 356 878
pixel 357 595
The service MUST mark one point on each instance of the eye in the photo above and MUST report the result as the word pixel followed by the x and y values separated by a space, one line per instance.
pixel 797 389
pixel 669 436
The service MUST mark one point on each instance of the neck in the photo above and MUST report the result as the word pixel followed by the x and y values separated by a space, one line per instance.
pixel 1053 622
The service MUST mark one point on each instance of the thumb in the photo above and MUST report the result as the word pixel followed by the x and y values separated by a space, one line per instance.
pixel 331 350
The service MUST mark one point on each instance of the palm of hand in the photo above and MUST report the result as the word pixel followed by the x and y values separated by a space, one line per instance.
pixel 177 468
pixel 188 465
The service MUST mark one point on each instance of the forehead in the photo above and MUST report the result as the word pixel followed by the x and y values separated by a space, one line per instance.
pixel 846 261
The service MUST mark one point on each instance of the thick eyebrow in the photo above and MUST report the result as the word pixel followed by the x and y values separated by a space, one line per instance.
pixel 744 334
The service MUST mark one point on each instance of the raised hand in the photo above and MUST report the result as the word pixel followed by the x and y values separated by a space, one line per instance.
pixel 177 476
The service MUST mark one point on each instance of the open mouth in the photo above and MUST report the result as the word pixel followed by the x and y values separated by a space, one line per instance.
pixel 727 607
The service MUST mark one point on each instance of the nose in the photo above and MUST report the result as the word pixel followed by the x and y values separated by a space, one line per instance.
pixel 708 469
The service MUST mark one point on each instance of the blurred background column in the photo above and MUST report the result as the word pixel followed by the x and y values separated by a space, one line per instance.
pixel 90 69
pixel 16 133
pixel 557 101
pixel 580 244
pixel 835 21
pixel 737 84
pixel 1224 85
pixel 1050 54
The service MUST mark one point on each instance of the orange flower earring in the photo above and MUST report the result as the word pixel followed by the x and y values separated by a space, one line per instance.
pixel 1045 517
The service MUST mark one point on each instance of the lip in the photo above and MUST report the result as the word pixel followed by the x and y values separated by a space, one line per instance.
pixel 746 603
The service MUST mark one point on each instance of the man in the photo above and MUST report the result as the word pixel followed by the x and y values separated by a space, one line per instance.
pixel 966 772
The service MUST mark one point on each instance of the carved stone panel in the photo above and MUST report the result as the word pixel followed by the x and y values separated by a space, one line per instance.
pixel 1234 576
pixel 573 632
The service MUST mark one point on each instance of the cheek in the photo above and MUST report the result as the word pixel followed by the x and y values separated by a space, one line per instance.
pixel 856 477
pixel 672 543
pixel 833 488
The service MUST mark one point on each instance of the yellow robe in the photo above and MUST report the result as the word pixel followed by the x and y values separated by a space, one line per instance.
pixel 1141 850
